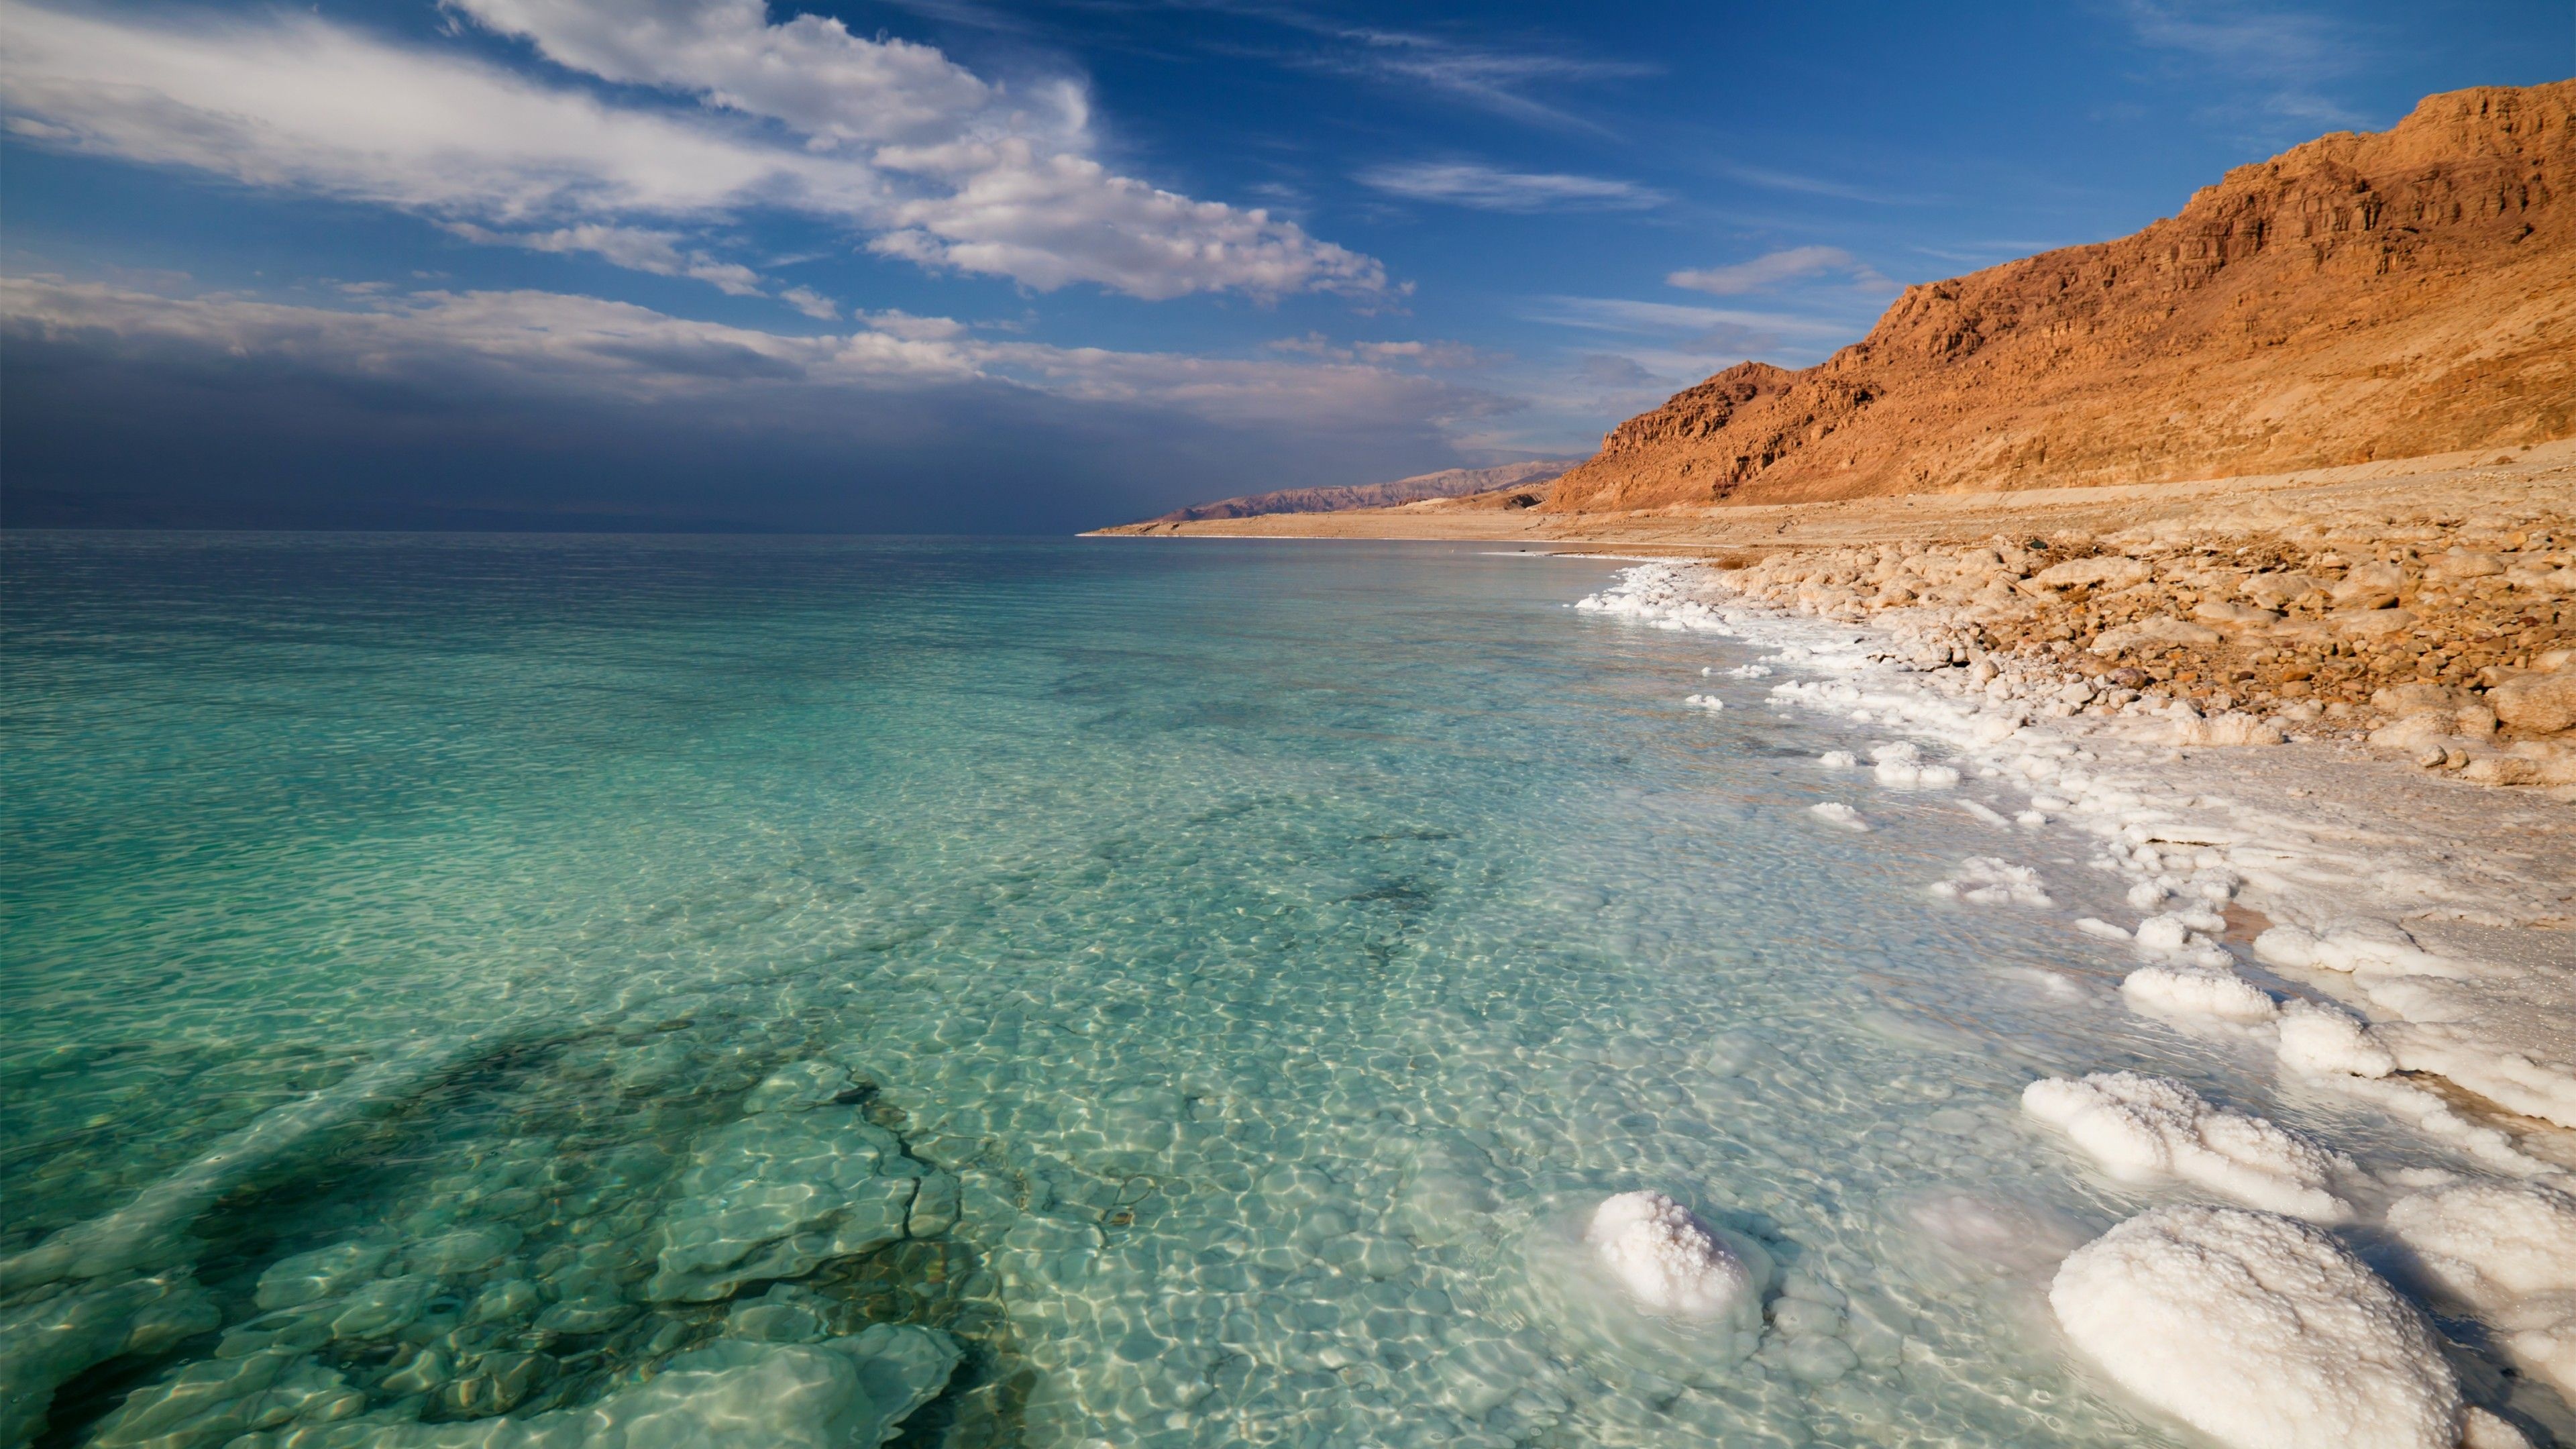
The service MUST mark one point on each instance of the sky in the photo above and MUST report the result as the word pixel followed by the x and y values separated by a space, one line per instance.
pixel 958 266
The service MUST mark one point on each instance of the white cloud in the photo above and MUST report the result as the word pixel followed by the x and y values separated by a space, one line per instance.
pixel 809 72
pixel 637 249
pixel 811 303
pixel 1488 188
pixel 1769 270
pixel 583 346
pixel 941 167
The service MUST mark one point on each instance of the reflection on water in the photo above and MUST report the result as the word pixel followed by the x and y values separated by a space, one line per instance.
pixel 561 991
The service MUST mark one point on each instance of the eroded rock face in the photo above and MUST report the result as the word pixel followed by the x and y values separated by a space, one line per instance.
pixel 2252 333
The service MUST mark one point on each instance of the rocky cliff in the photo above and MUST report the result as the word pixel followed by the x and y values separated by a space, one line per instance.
pixel 2395 294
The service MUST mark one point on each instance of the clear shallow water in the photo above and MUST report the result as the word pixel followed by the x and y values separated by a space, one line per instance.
pixel 1201 979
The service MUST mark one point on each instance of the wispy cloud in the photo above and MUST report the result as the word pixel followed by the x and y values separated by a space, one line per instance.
pixel 932 163
pixel 1490 188
pixel 2291 56
pixel 634 248
pixel 1444 355
pixel 1768 271
pixel 1814 185
pixel 1500 81
pixel 1622 314
pixel 1518 83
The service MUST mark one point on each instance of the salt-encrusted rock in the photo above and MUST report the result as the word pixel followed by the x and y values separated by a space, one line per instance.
pixel 2195 990
pixel 841 1393
pixel 2322 1041
pixel 2536 703
pixel 46 1343
pixel 2507 1251
pixel 323 1273
pixel 2230 728
pixel 2146 1129
pixel 775 1195
pixel 1668 1261
pixel 2259 1331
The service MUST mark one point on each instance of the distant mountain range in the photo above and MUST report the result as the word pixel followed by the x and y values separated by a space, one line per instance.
pixel 2386 295
pixel 1447 483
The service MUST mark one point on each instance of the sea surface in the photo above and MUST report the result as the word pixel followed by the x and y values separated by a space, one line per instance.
pixel 459 976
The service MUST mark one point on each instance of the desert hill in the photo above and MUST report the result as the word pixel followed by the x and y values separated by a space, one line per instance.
pixel 2386 295
pixel 1447 483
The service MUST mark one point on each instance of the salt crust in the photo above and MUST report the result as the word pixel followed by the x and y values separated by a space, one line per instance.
pixel 2338 880
pixel 2259 1331
pixel 1669 1262
pixel 2507 1251
pixel 1989 881
pixel 2149 1129
pixel 1838 813
pixel 2197 991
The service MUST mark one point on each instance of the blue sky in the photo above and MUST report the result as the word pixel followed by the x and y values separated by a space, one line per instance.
pixel 947 265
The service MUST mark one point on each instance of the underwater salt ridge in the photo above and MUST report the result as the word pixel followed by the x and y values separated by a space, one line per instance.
pixel 501 991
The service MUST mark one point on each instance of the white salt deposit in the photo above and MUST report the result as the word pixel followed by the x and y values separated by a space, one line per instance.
pixel 1669 1262
pixel 1704 701
pixel 2104 929
pixel 2196 991
pixel 1988 881
pixel 2150 1129
pixel 1838 813
pixel 2259 1331
pixel 2321 1041
pixel 2508 1252
pixel 1837 759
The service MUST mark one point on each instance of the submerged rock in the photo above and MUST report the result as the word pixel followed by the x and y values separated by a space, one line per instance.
pixel 777 1194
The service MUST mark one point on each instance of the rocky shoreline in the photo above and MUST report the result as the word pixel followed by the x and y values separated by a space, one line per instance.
pixel 2442 635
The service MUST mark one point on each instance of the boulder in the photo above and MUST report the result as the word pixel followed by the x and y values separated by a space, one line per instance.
pixel 2274 590
pixel 2461 563
pixel 2373 623
pixel 2110 571
pixel 2164 629
pixel 2540 704
pixel 2369 586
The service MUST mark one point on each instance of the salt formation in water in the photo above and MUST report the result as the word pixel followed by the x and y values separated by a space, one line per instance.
pixel 1704 701
pixel 2259 1331
pixel 1988 881
pixel 2507 1251
pixel 1901 765
pixel 2197 991
pixel 1838 813
pixel 823 1393
pixel 2322 1041
pixel 2144 1129
pixel 1669 1261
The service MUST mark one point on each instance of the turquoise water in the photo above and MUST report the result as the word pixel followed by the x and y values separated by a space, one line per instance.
pixel 1198 980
